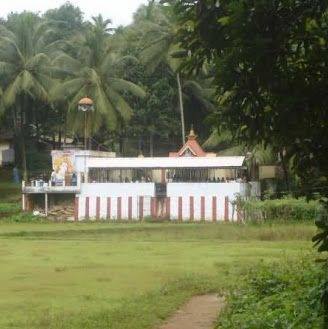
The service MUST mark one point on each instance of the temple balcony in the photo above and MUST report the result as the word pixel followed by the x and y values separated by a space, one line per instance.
pixel 40 187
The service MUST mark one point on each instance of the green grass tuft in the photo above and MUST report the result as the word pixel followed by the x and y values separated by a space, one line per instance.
pixel 285 294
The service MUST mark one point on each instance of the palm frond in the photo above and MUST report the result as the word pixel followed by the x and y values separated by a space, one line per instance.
pixel 105 107
pixel 217 138
pixel 33 86
pixel 9 50
pixel 120 85
pixel 66 64
pixel 120 105
pixel 7 68
pixel 4 32
pixel 67 89
pixel 12 91
pixel 37 61
pixel 153 55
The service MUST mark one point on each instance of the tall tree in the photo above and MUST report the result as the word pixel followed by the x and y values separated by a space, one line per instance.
pixel 93 73
pixel 160 44
pixel 271 60
pixel 68 18
pixel 159 40
pixel 25 68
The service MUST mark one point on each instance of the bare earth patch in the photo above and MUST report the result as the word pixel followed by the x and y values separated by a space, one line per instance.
pixel 200 312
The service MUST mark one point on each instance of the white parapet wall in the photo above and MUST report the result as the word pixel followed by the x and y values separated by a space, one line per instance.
pixel 134 201
pixel 112 208
pixel 205 189
pixel 114 201
pixel 117 189
pixel 203 201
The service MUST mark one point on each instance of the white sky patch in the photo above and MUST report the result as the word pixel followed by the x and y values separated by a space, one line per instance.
pixel 119 11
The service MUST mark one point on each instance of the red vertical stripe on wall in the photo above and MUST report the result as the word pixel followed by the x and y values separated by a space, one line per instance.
pixel 119 207
pixel 152 207
pixel 155 208
pixel 87 207
pixel 130 207
pixel 163 176
pixel 191 208
pixel 141 206
pixel 180 208
pixel 76 209
pixel 168 208
pixel 202 207
pixel 226 209
pixel 214 211
pixel 239 215
pixel 98 207
pixel 108 216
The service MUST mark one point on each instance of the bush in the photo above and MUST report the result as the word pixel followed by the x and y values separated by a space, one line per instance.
pixel 282 295
pixel 22 217
pixel 280 209
pixel 10 192
pixel 9 208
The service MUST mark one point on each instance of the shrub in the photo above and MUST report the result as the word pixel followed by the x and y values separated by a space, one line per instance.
pixel 9 208
pixel 280 209
pixel 283 295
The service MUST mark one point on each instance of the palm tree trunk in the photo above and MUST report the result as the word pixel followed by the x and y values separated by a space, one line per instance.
pixel 183 131
pixel 65 129
pixel 22 139
pixel 23 156
pixel 59 138
pixel 285 170
pixel 151 144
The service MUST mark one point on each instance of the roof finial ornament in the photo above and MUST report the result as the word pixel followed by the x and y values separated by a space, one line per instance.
pixel 192 134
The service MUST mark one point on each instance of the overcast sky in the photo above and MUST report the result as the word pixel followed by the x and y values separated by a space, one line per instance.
pixel 119 11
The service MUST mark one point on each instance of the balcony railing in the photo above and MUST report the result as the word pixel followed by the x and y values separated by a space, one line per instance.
pixel 40 187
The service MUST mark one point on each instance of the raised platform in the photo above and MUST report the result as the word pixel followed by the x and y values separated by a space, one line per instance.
pixel 50 189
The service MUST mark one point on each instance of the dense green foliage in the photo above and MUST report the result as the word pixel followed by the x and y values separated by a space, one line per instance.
pixel 280 295
pixel 270 63
pixel 280 209
pixel 49 62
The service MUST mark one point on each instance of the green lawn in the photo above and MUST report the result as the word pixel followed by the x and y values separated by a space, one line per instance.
pixel 105 275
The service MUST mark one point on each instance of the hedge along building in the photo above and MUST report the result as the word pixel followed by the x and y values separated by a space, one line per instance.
pixel 181 187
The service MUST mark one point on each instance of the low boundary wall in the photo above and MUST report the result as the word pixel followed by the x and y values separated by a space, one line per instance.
pixel 178 208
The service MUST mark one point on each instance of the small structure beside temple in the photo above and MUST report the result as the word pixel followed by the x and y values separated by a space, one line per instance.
pixel 7 153
pixel 188 185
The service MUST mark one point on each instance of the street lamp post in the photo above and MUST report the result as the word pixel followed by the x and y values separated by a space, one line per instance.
pixel 85 105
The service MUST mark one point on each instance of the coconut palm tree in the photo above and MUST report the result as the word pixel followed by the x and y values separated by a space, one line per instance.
pixel 25 46
pixel 159 43
pixel 93 72
pixel 257 155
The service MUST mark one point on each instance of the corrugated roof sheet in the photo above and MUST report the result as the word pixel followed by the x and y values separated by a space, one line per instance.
pixel 167 162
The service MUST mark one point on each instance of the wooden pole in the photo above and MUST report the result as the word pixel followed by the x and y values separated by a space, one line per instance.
pixel 46 203
pixel 181 110
pixel 85 130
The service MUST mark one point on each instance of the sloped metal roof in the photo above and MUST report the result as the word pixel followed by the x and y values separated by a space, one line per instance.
pixel 167 162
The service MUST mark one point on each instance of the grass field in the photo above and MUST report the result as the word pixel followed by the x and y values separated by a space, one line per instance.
pixel 105 275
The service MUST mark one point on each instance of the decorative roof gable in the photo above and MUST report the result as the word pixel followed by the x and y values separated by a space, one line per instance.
pixel 190 148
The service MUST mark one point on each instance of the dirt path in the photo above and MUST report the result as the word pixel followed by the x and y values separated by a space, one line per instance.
pixel 200 312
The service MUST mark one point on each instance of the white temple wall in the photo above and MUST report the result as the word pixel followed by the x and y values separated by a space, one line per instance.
pixel 117 189
pixel 205 189
pixel 174 208
pixel 134 201
pixel 112 208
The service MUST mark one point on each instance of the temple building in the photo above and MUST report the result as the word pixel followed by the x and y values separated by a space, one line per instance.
pixel 188 185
